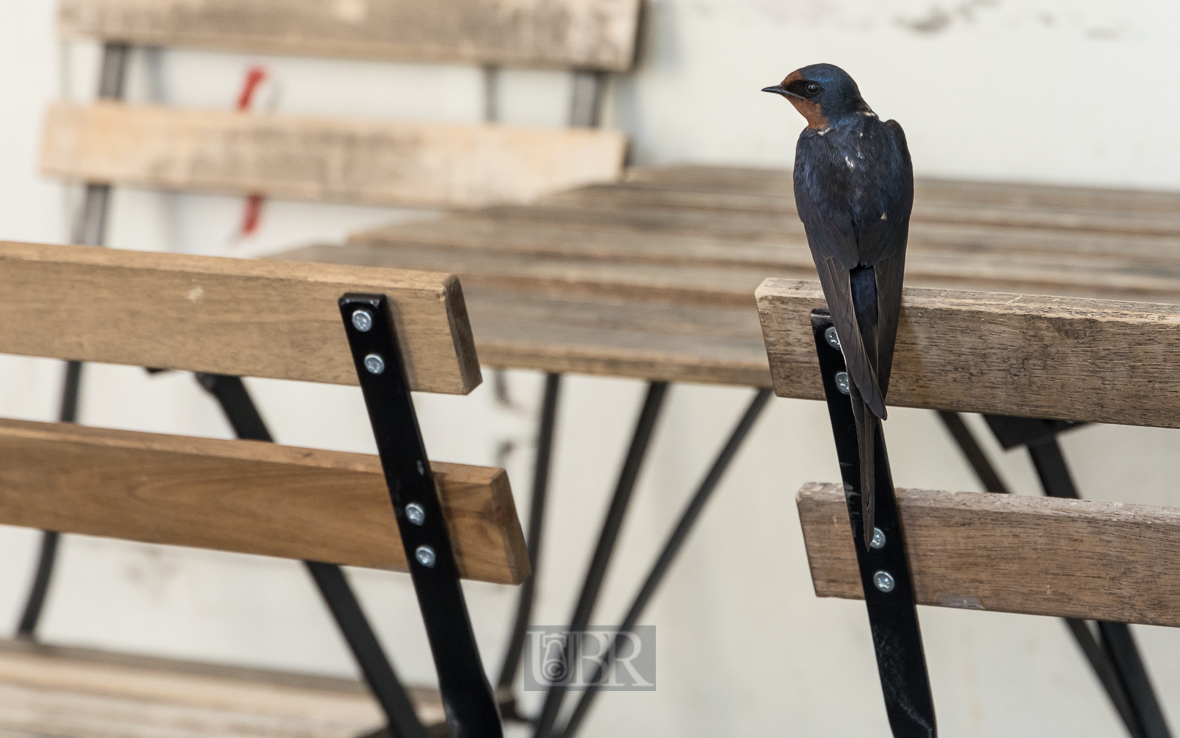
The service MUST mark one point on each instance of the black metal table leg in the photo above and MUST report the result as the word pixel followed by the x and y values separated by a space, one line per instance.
pixel 607 538
pixel 342 602
pixel 89 230
pixel 884 569
pixel 528 590
pixel 672 546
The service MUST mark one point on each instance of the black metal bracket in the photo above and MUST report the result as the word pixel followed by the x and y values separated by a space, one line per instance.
pixel 466 692
pixel 884 569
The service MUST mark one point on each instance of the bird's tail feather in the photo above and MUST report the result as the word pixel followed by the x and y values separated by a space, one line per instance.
pixel 866 426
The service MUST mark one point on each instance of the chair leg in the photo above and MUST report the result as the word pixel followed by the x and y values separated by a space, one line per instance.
pixel 884 569
pixel 467 694
pixel 1117 641
pixel 524 608
pixel 239 408
pixel 1095 650
pixel 89 230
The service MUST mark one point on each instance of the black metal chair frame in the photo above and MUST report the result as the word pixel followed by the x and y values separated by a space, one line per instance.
pixel 1108 647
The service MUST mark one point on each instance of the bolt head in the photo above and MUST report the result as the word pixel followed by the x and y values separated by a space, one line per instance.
pixel 362 320
pixel 415 513
pixel 843 383
pixel 882 579
pixel 878 541
pixel 832 337
pixel 425 556
pixel 375 364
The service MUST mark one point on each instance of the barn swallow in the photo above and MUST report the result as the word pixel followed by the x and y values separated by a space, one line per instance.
pixel 854 189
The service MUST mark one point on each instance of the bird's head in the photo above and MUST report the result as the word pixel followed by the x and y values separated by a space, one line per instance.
pixel 822 93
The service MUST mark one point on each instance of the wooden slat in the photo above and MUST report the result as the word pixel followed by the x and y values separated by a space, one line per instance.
pixel 590 34
pixel 223 316
pixel 244 496
pixel 64 691
pixel 1030 356
pixel 323 159
pixel 1033 555
pixel 694 256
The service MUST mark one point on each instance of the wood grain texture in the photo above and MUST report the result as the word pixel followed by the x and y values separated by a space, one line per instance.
pixel 1032 555
pixel 1030 356
pixel 323 159
pixel 62 691
pixel 586 34
pixel 245 497
pixel 225 316
pixel 591 318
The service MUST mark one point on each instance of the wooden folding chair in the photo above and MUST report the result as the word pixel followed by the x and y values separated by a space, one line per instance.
pixel 1060 360
pixel 389 331
pixel 338 159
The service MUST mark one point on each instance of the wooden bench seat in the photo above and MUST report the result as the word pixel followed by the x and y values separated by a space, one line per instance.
pixel 55 691
pixel 1007 553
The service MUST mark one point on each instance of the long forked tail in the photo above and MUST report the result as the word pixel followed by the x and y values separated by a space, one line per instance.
pixel 866 427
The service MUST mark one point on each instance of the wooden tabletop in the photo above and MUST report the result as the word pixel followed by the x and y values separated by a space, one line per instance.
pixel 654 277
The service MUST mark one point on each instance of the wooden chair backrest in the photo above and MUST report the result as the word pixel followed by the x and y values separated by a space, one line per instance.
pixel 564 34
pixel 247 318
pixel 224 316
pixel 1030 356
pixel 347 160
pixel 1019 355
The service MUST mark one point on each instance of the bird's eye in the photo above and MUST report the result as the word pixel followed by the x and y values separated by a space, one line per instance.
pixel 813 88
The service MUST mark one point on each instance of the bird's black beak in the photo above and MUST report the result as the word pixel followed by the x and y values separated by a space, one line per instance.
pixel 780 90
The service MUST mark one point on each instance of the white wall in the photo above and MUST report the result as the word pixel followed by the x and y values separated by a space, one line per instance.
pixel 1052 90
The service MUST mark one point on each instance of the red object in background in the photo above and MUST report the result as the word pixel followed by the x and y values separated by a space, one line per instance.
pixel 252 214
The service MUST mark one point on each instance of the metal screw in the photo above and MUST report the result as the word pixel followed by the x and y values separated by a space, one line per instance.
pixel 878 541
pixel 425 556
pixel 415 514
pixel 362 320
pixel 843 383
pixel 832 337
pixel 883 580
pixel 375 364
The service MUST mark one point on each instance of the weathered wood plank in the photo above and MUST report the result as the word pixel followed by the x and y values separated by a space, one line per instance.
pixel 1083 212
pixel 323 159
pixel 684 256
pixel 1032 555
pixel 1030 356
pixel 965 192
pixel 587 34
pixel 64 691
pixel 243 496
pixel 223 316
